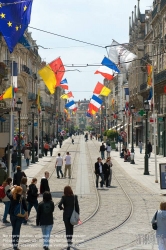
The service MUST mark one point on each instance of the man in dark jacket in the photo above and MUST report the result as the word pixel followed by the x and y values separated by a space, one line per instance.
pixel 149 148
pixel 44 186
pixel 18 176
pixel 14 160
pixel 3 175
pixel 99 171
pixel 102 151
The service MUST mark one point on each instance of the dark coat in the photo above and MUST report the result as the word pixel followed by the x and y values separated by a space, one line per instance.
pixel 106 169
pixel 14 203
pixel 102 148
pixel 17 177
pixel 32 193
pixel 149 148
pixel 44 215
pixel 44 185
pixel 14 157
pixel 97 171
pixel 67 205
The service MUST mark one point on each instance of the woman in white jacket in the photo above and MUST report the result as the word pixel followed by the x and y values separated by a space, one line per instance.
pixel 6 200
pixel 161 226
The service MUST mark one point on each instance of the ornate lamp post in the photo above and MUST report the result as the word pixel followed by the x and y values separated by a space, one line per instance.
pixel 132 146
pixel 33 107
pixel 42 151
pixel 146 164
pixel 19 104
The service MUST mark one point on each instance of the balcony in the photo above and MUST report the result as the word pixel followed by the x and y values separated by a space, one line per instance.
pixel 143 86
pixel 160 77
pixel 26 69
pixel 31 96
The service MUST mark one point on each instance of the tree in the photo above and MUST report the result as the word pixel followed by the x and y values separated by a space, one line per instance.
pixel 89 128
pixel 112 134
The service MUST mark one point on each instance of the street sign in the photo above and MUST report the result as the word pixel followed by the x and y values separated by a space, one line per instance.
pixel 162 168
pixel 160 119
pixel 152 120
pixel 123 134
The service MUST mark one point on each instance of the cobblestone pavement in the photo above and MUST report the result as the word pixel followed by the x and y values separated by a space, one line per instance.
pixel 114 205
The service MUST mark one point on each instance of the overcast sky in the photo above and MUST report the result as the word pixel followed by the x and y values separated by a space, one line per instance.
pixel 93 21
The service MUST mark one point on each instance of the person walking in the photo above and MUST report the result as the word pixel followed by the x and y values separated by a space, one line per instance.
pixel 15 196
pixel 99 171
pixel 44 217
pixel 140 144
pixel 18 176
pixel 67 165
pixel 46 148
pixel 3 175
pixel 110 175
pixel 149 148
pixel 24 186
pixel 32 196
pixel 161 226
pixel 44 186
pixel 66 204
pixel 108 149
pixel 7 185
pixel 27 155
pixel 107 171
pixel 102 151
pixel 58 165
pixel 14 160
pixel 60 142
pixel 51 147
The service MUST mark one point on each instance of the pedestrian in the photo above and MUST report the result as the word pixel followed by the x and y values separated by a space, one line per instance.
pixel 7 185
pixel 46 148
pixel 110 176
pixel 99 171
pixel 58 165
pixel 140 146
pixel 44 186
pixel 32 196
pixel 44 218
pixel 161 226
pixel 14 160
pixel 51 146
pixel 96 136
pixel 55 142
pixel 72 141
pixel 15 196
pixel 66 204
pixel 36 147
pixel 27 155
pixel 60 142
pixel 86 137
pixel 24 186
pixel 18 176
pixel 67 165
pixel 149 149
pixel 107 171
pixel 126 155
pixel 108 149
pixel 102 151
pixel 3 175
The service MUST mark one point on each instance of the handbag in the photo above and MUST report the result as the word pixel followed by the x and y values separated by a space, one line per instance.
pixel 75 216
pixel 154 224
pixel 19 211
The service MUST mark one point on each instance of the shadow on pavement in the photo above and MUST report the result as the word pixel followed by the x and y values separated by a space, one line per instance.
pixel 57 194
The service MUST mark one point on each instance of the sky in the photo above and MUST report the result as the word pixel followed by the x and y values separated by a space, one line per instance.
pixel 92 21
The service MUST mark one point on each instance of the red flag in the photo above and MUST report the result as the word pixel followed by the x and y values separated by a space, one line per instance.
pixel 58 68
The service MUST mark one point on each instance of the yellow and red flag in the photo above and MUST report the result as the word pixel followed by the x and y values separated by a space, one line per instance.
pixel 149 71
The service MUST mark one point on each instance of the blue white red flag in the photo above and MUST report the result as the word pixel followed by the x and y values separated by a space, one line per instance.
pixel 108 69
pixel 96 101
pixel 64 84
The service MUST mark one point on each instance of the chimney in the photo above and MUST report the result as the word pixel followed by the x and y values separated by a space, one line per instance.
pixel 138 10
pixel 130 25
pixel 135 14
pixel 132 19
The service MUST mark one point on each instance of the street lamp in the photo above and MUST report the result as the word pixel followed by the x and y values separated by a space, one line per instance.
pixel 123 112
pixel 33 107
pixel 146 167
pixel 132 146
pixel 19 104
pixel 116 116
pixel 42 151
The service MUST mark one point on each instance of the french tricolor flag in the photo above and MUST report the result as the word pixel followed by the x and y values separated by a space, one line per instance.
pixel 95 103
pixel 64 84
pixel 108 69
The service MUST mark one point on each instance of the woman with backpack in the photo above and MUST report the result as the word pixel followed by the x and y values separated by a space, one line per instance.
pixel 32 196
pixel 15 196
pixel 6 186
pixel 44 218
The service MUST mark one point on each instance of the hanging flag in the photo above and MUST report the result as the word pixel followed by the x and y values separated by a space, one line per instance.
pixel 100 89
pixel 59 70
pixel 126 91
pixel 65 111
pixel 70 104
pixel 88 114
pixel 38 101
pixel 66 96
pixel 14 20
pixel 149 72
pixel 95 103
pixel 8 94
pixel 109 70
pixel 150 94
pixel 75 109
pixel 121 56
pixel 64 84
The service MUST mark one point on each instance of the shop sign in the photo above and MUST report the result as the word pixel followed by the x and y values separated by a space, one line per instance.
pixel 162 169
pixel 160 119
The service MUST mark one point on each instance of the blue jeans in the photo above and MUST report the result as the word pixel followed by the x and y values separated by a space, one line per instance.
pixel 14 165
pixel 27 161
pixel 30 205
pixel 6 211
pixel 102 155
pixel 46 231
pixel 16 227
pixel 59 169
pixel 102 180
